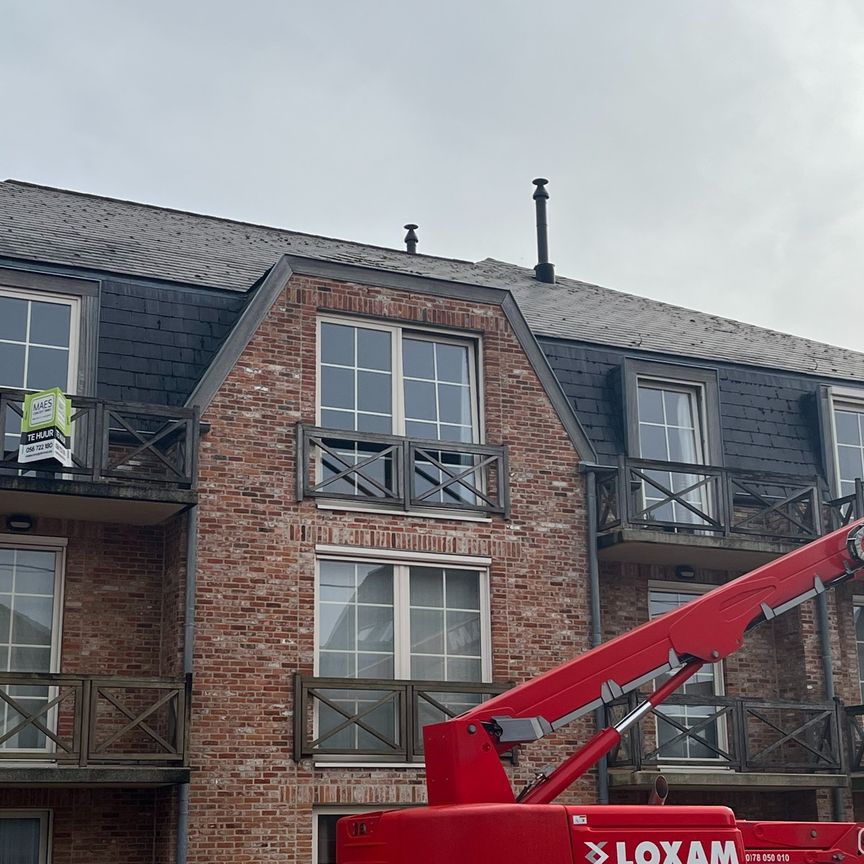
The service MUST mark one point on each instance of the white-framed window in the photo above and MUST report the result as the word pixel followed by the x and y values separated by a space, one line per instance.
pixel 31 589
pixel 393 380
pixel 847 427
pixel 25 836
pixel 858 617
pixel 708 681
pixel 38 346
pixel 670 420
pixel 388 620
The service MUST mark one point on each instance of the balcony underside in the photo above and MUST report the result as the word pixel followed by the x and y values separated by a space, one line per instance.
pixel 700 779
pixel 42 776
pixel 61 498
pixel 647 546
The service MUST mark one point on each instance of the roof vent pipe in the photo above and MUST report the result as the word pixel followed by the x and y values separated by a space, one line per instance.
pixel 544 271
pixel 411 238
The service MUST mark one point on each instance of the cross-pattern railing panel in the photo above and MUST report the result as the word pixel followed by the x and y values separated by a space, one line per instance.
pixel 112 442
pixel 855 738
pixel 401 472
pixel 381 720
pixel 90 720
pixel 707 500
pixel 745 735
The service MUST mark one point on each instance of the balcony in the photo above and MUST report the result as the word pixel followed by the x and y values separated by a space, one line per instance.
pixel 401 473
pixel 57 729
pixel 731 742
pixel 674 513
pixel 348 719
pixel 131 463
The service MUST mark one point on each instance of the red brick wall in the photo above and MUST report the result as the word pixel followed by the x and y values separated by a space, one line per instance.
pixel 250 801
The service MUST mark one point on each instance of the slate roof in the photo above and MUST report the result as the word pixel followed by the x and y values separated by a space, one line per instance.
pixel 73 229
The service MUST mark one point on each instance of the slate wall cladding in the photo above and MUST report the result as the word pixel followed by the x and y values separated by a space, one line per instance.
pixel 256 586
pixel 155 341
pixel 769 421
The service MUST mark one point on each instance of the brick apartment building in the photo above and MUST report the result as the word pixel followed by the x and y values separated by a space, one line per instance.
pixel 325 493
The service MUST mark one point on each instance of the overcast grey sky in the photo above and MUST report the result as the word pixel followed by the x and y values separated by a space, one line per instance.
pixel 703 152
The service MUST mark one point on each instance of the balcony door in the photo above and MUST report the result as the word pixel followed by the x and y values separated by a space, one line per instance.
pixel 381 380
pixel 385 622
pixel 671 430
pixel 30 587
pixel 672 744
pixel 38 347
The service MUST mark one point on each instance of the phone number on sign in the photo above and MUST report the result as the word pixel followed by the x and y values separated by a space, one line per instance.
pixel 767 857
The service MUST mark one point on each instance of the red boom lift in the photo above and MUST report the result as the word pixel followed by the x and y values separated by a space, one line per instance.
pixel 474 817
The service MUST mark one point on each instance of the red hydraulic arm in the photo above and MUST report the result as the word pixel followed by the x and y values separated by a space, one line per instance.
pixel 462 755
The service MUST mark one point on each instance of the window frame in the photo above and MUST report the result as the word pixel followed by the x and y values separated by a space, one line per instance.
pixel 397 331
pixel 858 601
pixel 701 380
pixel 697 589
pixel 58 546
pixel 402 608
pixel 833 399
pixel 74 326
pixel 85 292
pixel 46 828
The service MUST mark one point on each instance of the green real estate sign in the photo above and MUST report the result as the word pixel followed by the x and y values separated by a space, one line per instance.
pixel 45 427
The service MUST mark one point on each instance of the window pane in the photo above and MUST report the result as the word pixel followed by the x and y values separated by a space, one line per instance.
pixel 337 581
pixel 373 349
pixel 49 323
pixel 30 659
pixel 31 622
pixel 11 365
pixel 427 668
pixel 375 628
pixel 337 626
pixel 463 633
pixel 454 404
pixel 337 388
pixel 337 344
pixel 416 429
pixel 682 445
pixel 337 419
pixel 336 664
pixel 6 559
pixel 463 589
pixel 374 665
pixel 847 428
pixel 380 423
pixel 420 400
pixel 850 462
pixel 427 631
pixel 678 408
pixel 652 442
pixel 5 618
pixel 375 583
pixel 19 840
pixel 427 587
pixel 13 319
pixel 463 669
pixel 34 573
pixel 373 392
pixel 650 405
pixel 47 367
pixel 418 358
pixel 452 363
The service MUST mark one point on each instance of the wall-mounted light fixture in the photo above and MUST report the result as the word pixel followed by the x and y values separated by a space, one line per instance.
pixel 19 522
pixel 685 572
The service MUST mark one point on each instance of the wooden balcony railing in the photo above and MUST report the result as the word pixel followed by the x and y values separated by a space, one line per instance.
pixel 704 499
pixel 93 720
pixel 855 738
pixel 747 735
pixel 112 442
pixel 405 473
pixel 378 720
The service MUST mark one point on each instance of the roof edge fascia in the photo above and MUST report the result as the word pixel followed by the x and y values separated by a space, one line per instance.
pixel 241 334
pixel 561 404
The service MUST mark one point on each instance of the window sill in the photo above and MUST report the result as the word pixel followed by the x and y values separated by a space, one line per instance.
pixel 450 515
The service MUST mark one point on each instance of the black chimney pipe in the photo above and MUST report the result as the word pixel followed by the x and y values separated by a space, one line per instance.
pixel 544 271
pixel 411 238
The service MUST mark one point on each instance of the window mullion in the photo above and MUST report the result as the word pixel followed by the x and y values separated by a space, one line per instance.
pixel 397 384
pixel 402 621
